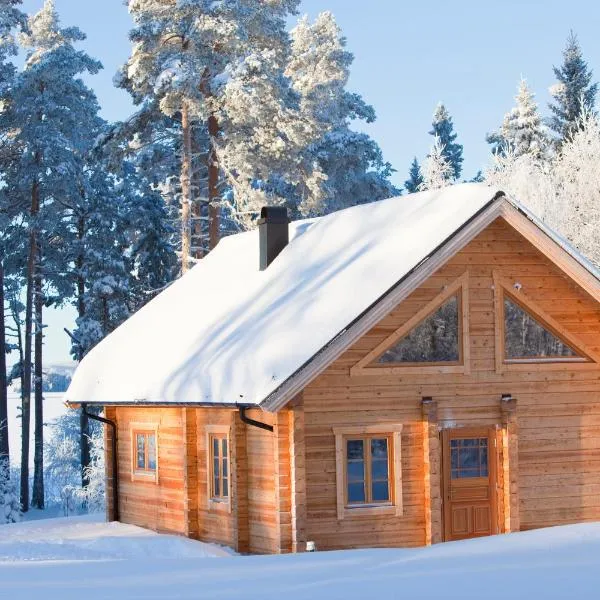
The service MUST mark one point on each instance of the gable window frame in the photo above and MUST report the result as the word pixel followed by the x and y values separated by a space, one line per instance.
pixel 218 501
pixel 505 287
pixel 150 432
pixel 393 433
pixel 459 287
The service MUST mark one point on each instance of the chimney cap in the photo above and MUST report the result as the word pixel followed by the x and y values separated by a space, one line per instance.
pixel 273 214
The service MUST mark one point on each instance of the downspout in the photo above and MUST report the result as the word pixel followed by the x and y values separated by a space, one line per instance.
pixel 252 422
pixel 115 464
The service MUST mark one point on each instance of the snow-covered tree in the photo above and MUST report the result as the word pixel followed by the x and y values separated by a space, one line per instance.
pixel 10 505
pixel 183 55
pixel 352 164
pixel 48 107
pixel 443 128
pixel 437 171
pixel 573 93
pixel 563 191
pixel 522 130
pixel 10 18
pixel 415 179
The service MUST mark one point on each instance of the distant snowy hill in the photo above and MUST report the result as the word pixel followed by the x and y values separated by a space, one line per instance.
pixel 57 378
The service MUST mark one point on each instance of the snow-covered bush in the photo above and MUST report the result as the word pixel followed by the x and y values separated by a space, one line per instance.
pixel 63 467
pixel 10 505
pixel 436 173
pixel 63 472
pixel 94 494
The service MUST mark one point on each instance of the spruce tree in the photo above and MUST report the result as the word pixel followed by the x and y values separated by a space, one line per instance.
pixel 49 107
pixel 522 131
pixel 415 179
pixel 443 128
pixel 574 93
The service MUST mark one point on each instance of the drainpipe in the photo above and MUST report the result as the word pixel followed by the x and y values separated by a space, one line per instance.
pixel 115 463
pixel 252 422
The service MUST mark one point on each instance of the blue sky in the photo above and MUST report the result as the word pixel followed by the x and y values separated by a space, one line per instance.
pixel 408 56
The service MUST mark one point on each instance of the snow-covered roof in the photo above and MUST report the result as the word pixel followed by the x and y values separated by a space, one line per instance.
pixel 227 333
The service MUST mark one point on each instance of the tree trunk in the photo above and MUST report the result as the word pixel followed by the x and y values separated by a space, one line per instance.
pixel 84 427
pixel 4 446
pixel 186 189
pixel 37 497
pixel 26 395
pixel 213 184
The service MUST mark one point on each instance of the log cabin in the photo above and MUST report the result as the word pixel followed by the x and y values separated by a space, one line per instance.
pixel 411 371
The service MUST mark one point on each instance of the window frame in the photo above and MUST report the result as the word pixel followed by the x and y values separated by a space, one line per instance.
pixel 459 287
pixel 145 474
pixel 505 288
pixel 218 502
pixel 393 433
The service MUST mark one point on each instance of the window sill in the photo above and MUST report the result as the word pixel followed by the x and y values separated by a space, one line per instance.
pixel 144 476
pixel 372 510
pixel 218 505
pixel 564 365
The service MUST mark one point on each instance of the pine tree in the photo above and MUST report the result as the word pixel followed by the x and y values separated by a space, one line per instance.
pixel 574 93
pixel 352 163
pixel 443 128
pixel 182 58
pixel 415 179
pixel 48 108
pixel 437 171
pixel 522 131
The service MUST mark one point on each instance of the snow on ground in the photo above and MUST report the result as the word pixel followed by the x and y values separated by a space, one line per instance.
pixel 84 558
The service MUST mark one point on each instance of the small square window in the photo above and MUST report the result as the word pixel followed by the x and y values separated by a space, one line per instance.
pixel 144 455
pixel 368 470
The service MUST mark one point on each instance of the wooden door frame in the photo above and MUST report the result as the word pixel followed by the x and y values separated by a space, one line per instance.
pixel 488 431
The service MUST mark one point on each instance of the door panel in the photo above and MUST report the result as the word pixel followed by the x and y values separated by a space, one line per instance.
pixel 469 479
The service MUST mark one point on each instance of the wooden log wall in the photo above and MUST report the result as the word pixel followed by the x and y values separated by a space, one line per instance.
pixel 558 414
pixel 160 506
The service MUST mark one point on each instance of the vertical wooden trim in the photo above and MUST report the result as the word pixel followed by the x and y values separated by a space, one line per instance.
pixel 239 485
pixel 190 473
pixel 283 509
pixel 431 474
pixel 396 460
pixel 298 478
pixel 510 459
pixel 500 517
pixel 111 414
pixel 498 324
pixel 465 346
pixel 339 474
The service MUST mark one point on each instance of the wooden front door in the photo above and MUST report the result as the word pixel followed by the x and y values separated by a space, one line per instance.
pixel 469 469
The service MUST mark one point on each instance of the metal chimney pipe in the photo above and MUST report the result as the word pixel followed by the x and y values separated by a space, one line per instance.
pixel 273 233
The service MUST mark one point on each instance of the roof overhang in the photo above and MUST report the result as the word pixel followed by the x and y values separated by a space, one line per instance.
pixel 501 206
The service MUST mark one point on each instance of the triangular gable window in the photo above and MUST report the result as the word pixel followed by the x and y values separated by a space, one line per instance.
pixel 436 339
pixel 526 338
